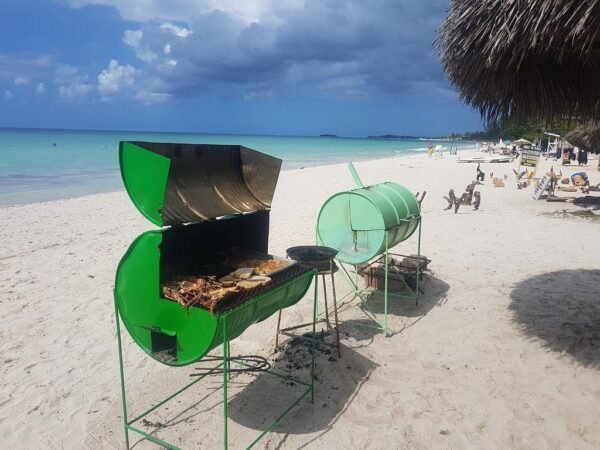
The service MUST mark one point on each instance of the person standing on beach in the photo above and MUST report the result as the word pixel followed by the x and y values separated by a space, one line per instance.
pixel 430 150
pixel 582 157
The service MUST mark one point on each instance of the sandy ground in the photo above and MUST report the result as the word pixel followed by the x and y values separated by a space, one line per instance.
pixel 501 352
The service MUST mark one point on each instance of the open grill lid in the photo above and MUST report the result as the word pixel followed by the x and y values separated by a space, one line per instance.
pixel 173 184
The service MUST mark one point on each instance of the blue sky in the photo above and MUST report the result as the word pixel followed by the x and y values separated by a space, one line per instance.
pixel 300 67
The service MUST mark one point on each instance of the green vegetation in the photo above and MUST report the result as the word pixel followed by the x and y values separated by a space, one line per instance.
pixel 532 130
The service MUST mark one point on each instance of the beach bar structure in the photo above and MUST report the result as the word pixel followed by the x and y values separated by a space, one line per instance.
pixel 363 224
pixel 212 203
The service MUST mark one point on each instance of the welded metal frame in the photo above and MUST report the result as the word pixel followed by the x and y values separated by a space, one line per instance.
pixel 364 293
pixel 291 331
pixel 224 365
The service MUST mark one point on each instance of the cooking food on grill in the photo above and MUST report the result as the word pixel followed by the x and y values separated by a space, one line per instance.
pixel 266 266
pixel 205 291
pixel 243 273
pixel 249 284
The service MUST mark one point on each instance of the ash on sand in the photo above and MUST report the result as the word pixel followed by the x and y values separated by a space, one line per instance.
pixel 582 214
pixel 337 380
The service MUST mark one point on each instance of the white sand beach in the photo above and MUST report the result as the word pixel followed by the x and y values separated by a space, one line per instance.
pixel 501 352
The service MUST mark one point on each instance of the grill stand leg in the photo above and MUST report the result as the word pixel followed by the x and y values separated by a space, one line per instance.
pixel 335 315
pixel 418 265
pixel 278 328
pixel 226 363
pixel 316 320
pixel 122 375
pixel 314 343
pixel 363 293
pixel 325 300
pixel 385 286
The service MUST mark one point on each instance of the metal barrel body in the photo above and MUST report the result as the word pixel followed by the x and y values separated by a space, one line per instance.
pixel 179 336
pixel 358 222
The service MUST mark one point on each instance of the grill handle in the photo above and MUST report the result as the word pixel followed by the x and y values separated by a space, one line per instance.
pixel 156 329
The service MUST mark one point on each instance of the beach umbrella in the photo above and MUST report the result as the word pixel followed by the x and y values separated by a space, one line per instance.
pixel 586 136
pixel 524 58
pixel 522 142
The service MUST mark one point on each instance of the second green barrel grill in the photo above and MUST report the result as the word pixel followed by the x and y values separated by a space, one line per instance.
pixel 358 222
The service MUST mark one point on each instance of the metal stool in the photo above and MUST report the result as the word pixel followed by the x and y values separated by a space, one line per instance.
pixel 322 270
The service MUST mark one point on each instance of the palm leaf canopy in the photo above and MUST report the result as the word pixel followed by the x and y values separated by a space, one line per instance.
pixel 524 58
pixel 586 136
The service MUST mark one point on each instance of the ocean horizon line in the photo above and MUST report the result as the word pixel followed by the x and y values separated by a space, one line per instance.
pixel 384 136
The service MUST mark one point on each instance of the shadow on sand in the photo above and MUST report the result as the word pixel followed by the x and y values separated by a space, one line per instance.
pixel 433 293
pixel 260 398
pixel 562 310
pixel 337 382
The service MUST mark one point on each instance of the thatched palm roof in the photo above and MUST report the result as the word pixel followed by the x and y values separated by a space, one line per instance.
pixel 586 137
pixel 524 58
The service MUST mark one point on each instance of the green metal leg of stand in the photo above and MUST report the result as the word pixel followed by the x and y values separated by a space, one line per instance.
pixel 225 379
pixel 314 343
pixel 225 366
pixel 385 286
pixel 316 319
pixel 360 292
pixel 122 375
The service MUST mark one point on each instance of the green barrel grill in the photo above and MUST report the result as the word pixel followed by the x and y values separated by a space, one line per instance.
pixel 364 222
pixel 208 199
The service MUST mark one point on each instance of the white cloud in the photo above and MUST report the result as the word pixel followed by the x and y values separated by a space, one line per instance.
pixel 258 94
pixel 152 47
pixel 74 92
pixel 40 88
pixel 125 81
pixel 342 48
pixel 151 97
pixel 66 73
pixel 72 85
pixel 20 69
pixel 133 39
pixel 187 10
pixel 177 31
pixel 116 78
pixel 21 80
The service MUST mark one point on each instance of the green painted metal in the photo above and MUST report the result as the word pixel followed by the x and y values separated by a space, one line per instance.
pixel 201 182
pixel 309 385
pixel 173 184
pixel 145 176
pixel 357 181
pixel 360 223
pixel 144 311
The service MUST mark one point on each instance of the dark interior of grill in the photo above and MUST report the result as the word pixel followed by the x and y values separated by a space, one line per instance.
pixel 213 247
pixel 183 243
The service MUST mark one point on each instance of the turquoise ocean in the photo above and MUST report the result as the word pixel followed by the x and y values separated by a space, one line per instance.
pixel 39 165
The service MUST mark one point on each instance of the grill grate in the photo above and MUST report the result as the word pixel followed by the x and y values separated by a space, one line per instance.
pixel 248 294
pixel 245 295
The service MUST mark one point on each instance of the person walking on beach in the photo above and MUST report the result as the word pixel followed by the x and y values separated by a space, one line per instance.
pixel 582 157
pixel 430 150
